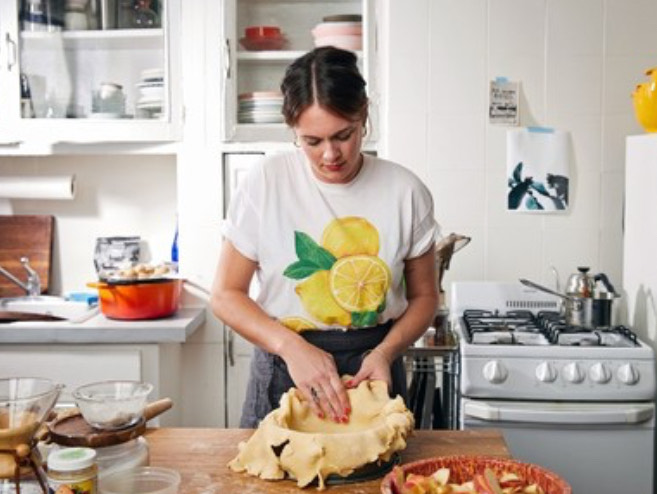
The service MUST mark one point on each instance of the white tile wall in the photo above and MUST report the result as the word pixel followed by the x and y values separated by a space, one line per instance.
pixel 577 63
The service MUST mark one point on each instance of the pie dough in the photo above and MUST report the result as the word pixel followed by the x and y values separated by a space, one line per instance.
pixel 292 441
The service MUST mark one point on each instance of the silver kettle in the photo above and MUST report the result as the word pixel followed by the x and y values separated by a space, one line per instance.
pixel 581 284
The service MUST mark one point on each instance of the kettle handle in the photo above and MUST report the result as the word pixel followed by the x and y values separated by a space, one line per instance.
pixel 605 281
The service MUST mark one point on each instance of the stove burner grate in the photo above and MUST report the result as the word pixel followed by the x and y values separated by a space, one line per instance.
pixel 522 327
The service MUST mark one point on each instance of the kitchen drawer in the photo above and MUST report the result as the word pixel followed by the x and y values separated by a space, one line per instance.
pixel 71 366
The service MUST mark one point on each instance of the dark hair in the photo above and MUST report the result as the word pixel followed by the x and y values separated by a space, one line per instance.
pixel 328 76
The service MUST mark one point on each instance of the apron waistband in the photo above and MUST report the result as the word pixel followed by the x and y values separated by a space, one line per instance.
pixel 338 340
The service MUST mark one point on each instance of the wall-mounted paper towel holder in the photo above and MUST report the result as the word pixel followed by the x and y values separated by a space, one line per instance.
pixel 35 187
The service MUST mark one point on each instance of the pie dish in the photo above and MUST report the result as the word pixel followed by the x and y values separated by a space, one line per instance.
pixel 292 442
pixel 464 467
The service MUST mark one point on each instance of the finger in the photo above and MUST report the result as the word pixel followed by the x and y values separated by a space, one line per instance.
pixel 313 400
pixel 323 400
pixel 338 398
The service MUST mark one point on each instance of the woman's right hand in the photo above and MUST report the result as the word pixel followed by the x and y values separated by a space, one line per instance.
pixel 314 373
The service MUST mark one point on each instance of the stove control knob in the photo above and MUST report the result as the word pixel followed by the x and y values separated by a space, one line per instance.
pixel 573 373
pixel 545 372
pixel 599 373
pixel 494 372
pixel 627 374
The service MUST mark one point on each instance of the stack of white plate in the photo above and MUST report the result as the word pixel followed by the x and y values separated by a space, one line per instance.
pixel 151 94
pixel 260 107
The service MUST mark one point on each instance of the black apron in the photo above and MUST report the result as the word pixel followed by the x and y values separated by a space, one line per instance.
pixel 269 377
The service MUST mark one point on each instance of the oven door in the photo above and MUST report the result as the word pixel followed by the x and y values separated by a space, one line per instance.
pixel 604 448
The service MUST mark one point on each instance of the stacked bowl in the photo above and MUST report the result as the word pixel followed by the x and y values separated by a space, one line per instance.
pixel 262 38
pixel 260 107
pixel 341 31
pixel 151 94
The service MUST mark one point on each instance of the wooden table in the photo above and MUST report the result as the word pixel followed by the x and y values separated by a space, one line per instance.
pixel 201 456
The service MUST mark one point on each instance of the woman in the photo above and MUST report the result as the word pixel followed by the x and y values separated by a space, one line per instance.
pixel 342 244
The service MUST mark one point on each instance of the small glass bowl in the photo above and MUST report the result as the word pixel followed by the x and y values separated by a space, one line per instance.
pixel 141 480
pixel 112 405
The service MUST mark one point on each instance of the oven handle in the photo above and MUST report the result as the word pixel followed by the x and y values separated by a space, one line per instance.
pixel 632 414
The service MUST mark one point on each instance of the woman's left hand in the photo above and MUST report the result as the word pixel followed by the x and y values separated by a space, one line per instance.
pixel 375 367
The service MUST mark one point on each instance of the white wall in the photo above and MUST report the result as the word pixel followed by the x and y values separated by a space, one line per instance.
pixel 577 63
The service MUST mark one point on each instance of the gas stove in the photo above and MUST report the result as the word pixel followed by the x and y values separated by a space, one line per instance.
pixel 515 344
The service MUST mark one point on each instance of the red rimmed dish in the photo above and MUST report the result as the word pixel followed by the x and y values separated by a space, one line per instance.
pixel 464 468
pixel 259 32
pixel 263 43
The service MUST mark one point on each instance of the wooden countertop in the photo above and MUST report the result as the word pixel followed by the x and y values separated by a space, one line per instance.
pixel 201 456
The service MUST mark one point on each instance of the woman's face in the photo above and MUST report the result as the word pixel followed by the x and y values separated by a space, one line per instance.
pixel 331 143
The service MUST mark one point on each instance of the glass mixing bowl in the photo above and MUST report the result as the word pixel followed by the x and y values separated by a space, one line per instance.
pixel 25 402
pixel 112 405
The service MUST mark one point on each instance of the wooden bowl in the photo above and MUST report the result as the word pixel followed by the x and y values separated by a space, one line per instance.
pixel 463 468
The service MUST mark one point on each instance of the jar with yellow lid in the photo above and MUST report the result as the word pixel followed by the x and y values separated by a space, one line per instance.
pixel 72 470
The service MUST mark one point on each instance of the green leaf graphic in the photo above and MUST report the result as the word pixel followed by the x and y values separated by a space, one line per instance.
pixel 300 270
pixel 363 319
pixel 308 251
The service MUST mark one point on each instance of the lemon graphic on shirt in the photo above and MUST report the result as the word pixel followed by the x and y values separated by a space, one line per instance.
pixel 297 323
pixel 316 298
pixel 359 283
pixel 350 236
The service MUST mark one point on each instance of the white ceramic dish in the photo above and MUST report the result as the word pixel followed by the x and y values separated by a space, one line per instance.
pixel 150 105
pixel 105 115
pixel 337 29
pixel 346 42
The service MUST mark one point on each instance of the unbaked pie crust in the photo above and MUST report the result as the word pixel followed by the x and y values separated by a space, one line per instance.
pixel 291 441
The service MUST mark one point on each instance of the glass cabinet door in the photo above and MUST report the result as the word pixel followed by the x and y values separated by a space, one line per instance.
pixel 92 59
pixel 9 104
pixel 89 71
pixel 263 37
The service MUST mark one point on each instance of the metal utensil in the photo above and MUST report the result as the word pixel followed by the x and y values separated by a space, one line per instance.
pixel 577 310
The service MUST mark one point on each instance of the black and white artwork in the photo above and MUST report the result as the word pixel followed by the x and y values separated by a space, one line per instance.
pixel 538 171
pixel 504 102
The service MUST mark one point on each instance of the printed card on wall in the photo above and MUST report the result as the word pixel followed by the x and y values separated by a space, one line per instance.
pixel 504 99
pixel 538 171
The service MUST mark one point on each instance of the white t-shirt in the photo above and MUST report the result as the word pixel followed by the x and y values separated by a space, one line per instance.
pixel 330 255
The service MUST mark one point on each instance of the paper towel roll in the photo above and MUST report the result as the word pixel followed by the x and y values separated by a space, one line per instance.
pixel 41 187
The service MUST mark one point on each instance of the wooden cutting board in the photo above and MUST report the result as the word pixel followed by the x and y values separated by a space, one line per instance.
pixel 28 236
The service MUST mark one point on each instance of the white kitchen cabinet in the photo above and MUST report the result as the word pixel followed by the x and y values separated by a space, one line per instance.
pixel 62 69
pixel 75 365
pixel 254 71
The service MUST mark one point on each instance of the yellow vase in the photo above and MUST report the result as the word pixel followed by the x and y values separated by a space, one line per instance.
pixel 644 98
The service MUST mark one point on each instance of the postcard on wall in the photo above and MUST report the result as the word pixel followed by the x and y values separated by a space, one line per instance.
pixel 538 170
pixel 504 102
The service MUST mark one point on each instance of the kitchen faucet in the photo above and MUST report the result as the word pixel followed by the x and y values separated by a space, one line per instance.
pixel 32 285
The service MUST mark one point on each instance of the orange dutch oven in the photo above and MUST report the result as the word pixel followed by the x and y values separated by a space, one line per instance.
pixel 139 299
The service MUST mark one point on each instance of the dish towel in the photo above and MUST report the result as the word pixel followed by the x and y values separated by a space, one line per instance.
pixel 538 170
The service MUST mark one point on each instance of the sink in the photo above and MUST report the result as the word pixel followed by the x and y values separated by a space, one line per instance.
pixel 49 306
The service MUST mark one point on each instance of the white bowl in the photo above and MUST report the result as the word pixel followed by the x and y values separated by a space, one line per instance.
pixel 337 29
pixel 345 41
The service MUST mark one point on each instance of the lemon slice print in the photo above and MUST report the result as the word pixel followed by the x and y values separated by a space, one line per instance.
pixel 297 323
pixel 350 236
pixel 359 283
pixel 316 298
